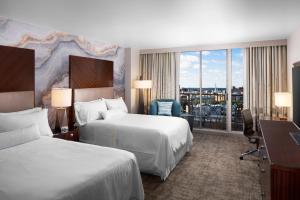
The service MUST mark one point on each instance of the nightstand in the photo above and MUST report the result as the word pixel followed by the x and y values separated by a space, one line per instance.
pixel 72 135
pixel 189 118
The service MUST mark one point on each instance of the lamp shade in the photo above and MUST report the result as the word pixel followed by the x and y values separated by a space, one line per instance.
pixel 283 99
pixel 142 84
pixel 61 97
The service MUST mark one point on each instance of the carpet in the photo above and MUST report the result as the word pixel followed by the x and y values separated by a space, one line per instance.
pixel 212 171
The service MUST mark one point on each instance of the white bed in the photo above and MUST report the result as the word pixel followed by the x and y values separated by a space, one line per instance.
pixel 36 166
pixel 50 168
pixel 158 142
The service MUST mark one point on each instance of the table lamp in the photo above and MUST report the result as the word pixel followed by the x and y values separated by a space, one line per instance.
pixel 283 100
pixel 142 85
pixel 61 98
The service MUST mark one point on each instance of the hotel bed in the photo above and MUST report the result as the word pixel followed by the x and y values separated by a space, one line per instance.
pixel 35 166
pixel 158 142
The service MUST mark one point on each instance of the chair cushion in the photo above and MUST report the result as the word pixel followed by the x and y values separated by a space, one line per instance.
pixel 164 108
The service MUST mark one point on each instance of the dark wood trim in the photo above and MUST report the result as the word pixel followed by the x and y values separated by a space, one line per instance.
pixel 90 72
pixel 17 70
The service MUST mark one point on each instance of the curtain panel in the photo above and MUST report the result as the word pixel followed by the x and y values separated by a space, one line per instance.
pixel 163 70
pixel 266 73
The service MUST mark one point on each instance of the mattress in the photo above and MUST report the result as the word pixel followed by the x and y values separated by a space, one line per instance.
pixel 158 142
pixel 50 168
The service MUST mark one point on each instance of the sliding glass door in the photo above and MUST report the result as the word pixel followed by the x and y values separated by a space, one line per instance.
pixel 237 89
pixel 211 88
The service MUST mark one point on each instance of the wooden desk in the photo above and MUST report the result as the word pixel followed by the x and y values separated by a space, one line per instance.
pixel 280 161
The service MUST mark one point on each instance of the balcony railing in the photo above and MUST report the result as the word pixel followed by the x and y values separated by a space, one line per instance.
pixel 212 111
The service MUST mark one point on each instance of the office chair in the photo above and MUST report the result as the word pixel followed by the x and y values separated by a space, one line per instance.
pixel 249 132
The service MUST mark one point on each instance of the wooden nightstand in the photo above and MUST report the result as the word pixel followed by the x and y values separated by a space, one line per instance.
pixel 72 135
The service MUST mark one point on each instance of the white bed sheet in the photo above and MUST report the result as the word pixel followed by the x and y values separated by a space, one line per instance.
pixel 49 168
pixel 155 140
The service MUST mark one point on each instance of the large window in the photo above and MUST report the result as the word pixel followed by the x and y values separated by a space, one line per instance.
pixel 213 92
pixel 237 89
pixel 204 88
pixel 190 81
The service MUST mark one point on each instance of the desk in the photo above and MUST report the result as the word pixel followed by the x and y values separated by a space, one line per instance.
pixel 280 161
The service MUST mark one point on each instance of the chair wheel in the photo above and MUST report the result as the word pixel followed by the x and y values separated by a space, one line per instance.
pixel 241 158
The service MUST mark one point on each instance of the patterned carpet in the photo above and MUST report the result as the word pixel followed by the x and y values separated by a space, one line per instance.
pixel 211 171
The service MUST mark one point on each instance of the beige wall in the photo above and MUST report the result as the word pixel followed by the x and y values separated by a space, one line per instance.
pixel 293 48
pixel 131 74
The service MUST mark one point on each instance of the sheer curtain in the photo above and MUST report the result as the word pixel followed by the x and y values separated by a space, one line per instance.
pixel 266 73
pixel 163 70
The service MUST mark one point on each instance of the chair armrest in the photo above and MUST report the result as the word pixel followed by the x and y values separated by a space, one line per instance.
pixel 176 109
pixel 153 108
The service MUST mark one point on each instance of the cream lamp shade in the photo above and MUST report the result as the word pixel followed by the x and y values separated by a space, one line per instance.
pixel 143 84
pixel 283 99
pixel 61 97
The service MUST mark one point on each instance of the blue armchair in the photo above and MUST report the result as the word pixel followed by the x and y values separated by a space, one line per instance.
pixel 176 107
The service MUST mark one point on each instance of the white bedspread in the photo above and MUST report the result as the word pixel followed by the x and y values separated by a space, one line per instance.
pixel 156 141
pixel 49 168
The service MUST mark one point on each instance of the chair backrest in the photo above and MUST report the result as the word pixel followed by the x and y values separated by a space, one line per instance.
pixel 176 107
pixel 248 122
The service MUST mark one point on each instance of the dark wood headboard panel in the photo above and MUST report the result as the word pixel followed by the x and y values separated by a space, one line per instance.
pixel 90 72
pixel 16 69
pixel 17 75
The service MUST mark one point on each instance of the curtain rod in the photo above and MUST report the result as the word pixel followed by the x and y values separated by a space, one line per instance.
pixel 217 46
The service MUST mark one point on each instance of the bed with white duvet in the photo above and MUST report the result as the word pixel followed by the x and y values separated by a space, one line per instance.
pixel 158 142
pixel 35 166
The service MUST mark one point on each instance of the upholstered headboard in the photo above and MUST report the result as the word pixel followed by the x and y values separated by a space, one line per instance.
pixel 16 101
pixel 16 78
pixel 89 94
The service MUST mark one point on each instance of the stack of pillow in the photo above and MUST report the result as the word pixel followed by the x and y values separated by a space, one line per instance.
pixel 23 126
pixel 99 109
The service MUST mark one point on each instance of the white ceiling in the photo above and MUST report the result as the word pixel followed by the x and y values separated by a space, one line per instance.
pixel 162 23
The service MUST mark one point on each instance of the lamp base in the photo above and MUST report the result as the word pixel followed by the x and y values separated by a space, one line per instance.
pixel 141 109
pixel 61 121
pixel 57 128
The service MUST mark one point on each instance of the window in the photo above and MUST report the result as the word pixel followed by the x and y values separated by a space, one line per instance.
pixel 204 88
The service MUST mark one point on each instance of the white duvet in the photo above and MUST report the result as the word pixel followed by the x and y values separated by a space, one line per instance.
pixel 158 142
pixel 49 168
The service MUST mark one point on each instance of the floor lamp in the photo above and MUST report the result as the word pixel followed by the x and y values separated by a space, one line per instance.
pixel 142 85
pixel 61 98
pixel 283 100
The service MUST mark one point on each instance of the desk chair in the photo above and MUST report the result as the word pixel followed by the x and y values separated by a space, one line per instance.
pixel 249 132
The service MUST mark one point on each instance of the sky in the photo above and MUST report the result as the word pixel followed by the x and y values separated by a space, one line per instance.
pixel 213 69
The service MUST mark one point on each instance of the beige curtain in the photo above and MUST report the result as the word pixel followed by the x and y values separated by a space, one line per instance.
pixel 163 70
pixel 266 73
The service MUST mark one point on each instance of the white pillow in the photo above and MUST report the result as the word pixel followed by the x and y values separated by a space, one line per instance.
pixel 89 111
pixel 165 108
pixel 32 110
pixel 17 121
pixel 116 104
pixel 112 114
pixel 19 136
